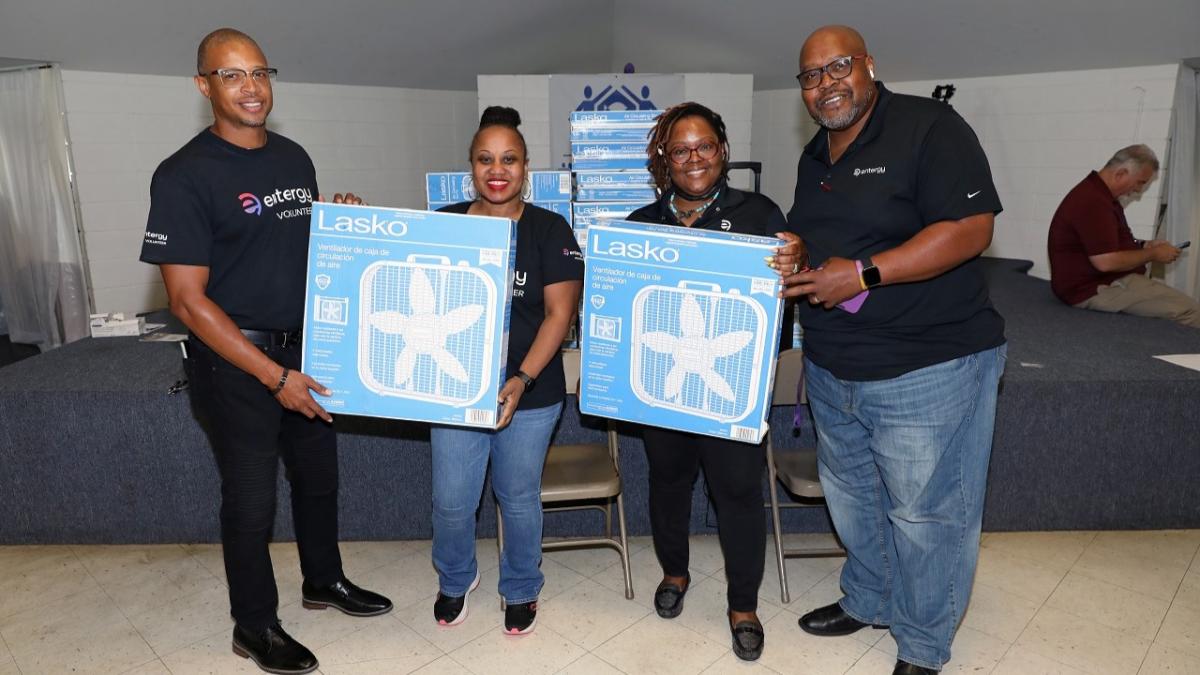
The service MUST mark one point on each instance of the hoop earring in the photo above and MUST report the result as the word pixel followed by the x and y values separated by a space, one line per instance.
pixel 527 189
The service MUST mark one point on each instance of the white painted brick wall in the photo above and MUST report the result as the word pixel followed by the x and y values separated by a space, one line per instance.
pixel 376 141
pixel 1042 133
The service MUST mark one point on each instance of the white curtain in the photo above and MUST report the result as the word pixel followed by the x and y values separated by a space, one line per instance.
pixel 1181 222
pixel 41 270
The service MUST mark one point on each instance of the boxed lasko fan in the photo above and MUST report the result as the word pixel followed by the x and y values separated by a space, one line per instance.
pixel 680 328
pixel 406 313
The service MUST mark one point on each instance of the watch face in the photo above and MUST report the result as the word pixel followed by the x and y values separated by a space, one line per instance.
pixel 870 276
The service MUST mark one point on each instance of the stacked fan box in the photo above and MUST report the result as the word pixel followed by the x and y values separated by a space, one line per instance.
pixel 548 189
pixel 407 312
pixel 608 154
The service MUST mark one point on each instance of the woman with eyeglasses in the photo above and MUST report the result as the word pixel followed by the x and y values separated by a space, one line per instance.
pixel 688 155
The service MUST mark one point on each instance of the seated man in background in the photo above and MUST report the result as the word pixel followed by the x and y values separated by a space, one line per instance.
pixel 1095 263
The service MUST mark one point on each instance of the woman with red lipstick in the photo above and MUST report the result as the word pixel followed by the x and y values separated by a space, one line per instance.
pixel 546 286
pixel 688 158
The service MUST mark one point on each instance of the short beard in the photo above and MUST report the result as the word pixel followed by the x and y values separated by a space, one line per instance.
pixel 254 123
pixel 848 118
pixel 1128 198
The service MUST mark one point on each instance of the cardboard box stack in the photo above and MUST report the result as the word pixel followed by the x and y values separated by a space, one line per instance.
pixel 550 190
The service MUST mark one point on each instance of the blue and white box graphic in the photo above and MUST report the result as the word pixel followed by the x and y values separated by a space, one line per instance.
pixel 680 329
pixel 457 186
pixel 588 214
pixel 407 312
pixel 625 133
pixel 614 118
pixel 561 208
pixel 448 187
pixel 613 186
pixel 608 155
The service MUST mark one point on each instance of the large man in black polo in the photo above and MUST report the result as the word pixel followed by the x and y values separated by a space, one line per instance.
pixel 894 199
pixel 228 227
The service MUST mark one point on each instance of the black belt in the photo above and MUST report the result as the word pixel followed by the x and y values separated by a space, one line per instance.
pixel 272 338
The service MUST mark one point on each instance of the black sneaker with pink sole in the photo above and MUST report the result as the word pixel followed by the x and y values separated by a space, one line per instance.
pixel 520 619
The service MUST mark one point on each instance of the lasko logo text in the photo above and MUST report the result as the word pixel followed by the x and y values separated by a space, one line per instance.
pixel 643 250
pixel 250 203
pixel 364 225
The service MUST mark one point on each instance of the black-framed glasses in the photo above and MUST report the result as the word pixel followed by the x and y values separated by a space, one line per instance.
pixel 680 154
pixel 838 69
pixel 234 77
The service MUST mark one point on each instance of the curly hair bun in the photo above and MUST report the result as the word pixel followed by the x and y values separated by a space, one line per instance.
pixel 500 115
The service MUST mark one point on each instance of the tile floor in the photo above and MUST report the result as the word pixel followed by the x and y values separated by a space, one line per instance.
pixel 1044 602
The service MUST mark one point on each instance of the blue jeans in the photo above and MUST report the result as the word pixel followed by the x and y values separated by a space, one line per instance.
pixel 460 461
pixel 903 463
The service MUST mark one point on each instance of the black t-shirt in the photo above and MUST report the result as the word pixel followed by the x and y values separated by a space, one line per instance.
pixel 245 215
pixel 915 163
pixel 547 253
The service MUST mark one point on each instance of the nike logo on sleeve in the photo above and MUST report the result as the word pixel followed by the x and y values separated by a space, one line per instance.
pixel 971 195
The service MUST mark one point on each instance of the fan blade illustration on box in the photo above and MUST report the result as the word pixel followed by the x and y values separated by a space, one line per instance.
pixel 694 349
pixel 423 330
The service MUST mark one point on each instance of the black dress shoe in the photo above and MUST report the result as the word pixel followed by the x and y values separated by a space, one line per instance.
pixel 273 650
pixel 347 597
pixel 668 598
pixel 906 668
pixel 830 621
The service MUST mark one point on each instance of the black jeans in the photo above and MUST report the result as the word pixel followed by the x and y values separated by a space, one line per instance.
pixel 733 472
pixel 250 432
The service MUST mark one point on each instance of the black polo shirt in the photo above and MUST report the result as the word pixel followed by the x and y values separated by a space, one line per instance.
pixel 733 211
pixel 915 163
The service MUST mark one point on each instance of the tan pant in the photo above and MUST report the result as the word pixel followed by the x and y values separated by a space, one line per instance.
pixel 1138 295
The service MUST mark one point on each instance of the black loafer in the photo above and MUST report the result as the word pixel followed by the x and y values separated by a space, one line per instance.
pixel 906 668
pixel 273 650
pixel 668 598
pixel 748 640
pixel 830 621
pixel 346 597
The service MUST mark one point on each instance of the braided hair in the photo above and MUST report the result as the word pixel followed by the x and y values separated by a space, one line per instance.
pixel 500 116
pixel 656 149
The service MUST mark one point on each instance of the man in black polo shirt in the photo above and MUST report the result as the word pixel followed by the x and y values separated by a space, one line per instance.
pixel 903 350
pixel 228 227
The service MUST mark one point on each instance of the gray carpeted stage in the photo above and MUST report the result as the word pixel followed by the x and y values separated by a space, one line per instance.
pixel 1092 433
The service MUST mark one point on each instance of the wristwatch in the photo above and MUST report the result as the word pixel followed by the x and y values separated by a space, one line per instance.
pixel 870 274
pixel 526 379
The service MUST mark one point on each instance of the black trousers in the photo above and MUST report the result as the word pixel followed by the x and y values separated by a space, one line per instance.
pixel 733 472
pixel 250 432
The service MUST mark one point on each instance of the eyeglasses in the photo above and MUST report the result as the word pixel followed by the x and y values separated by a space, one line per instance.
pixel 838 69
pixel 234 77
pixel 680 154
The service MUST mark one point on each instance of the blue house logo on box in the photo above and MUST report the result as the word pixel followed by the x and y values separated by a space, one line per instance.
pixel 611 98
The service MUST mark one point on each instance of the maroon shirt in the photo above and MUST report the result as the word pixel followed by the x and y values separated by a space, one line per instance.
pixel 1089 221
